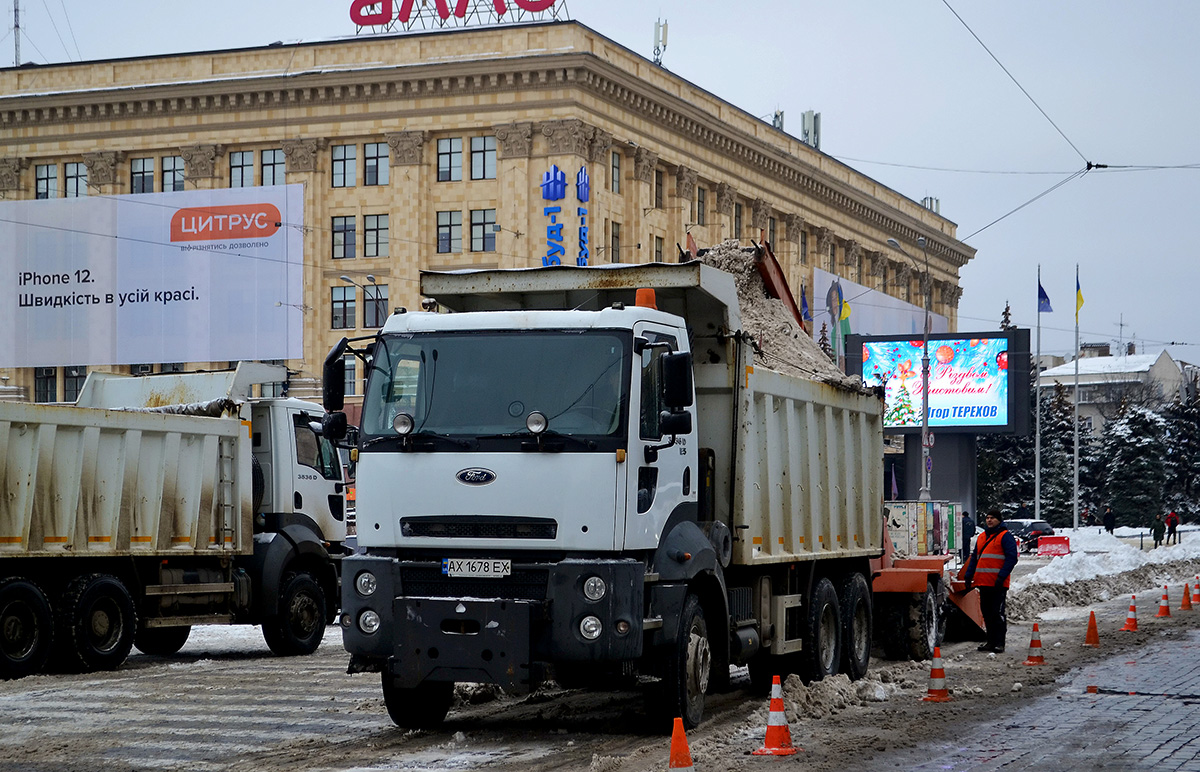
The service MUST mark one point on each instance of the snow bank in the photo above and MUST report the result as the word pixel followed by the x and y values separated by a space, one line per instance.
pixel 1101 554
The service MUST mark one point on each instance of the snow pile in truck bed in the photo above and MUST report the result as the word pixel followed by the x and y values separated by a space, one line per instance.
pixel 782 345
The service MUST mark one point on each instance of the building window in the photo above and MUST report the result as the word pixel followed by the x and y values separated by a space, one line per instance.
pixel 833 258
pixel 344 166
pixel 272 167
pixel 241 169
pixel 483 232
pixel 141 175
pixel 45 384
pixel 737 221
pixel 172 173
pixel 375 159
pixel 375 234
pixel 483 158
pixel 145 369
pixel 449 232
pixel 803 248
pixel 658 249
pixel 658 189
pixel 343 237
pixel 76 176
pixel 73 378
pixel 375 305
pixel 616 173
pixel 450 160
pixel 614 245
pixel 46 177
pixel 171 367
pixel 351 368
pixel 343 308
pixel 701 206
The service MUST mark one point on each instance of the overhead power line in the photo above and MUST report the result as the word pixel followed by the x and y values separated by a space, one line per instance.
pixel 1043 194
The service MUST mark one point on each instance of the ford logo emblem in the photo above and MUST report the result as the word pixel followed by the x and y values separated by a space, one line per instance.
pixel 476 476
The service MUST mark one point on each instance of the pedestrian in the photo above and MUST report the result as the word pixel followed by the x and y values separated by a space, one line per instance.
pixel 1172 522
pixel 989 570
pixel 1157 529
pixel 968 533
pixel 1110 520
pixel 1023 512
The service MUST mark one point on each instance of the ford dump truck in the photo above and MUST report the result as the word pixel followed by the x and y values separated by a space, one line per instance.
pixel 160 502
pixel 583 475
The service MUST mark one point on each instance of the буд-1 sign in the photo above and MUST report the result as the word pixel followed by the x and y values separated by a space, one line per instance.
pixel 190 276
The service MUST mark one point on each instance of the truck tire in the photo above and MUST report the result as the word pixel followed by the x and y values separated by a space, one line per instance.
pixel 26 628
pixel 421 707
pixel 822 652
pixel 97 622
pixel 299 625
pixel 161 641
pixel 855 597
pixel 688 667
pixel 927 621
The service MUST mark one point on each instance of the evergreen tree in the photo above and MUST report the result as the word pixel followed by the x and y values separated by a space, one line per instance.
pixel 1058 448
pixel 823 342
pixel 1135 457
pixel 1004 471
pixel 902 412
pixel 1183 455
pixel 1006 317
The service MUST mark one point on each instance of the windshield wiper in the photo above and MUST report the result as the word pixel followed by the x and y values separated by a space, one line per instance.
pixel 407 439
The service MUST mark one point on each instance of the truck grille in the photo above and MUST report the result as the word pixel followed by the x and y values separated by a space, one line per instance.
pixel 430 582
pixel 479 527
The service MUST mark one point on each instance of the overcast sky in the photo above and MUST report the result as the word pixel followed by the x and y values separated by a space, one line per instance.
pixel 898 85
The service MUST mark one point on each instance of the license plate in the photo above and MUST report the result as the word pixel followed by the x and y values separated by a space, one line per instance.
pixel 476 568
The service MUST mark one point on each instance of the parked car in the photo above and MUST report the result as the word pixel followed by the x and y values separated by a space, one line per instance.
pixel 1027 532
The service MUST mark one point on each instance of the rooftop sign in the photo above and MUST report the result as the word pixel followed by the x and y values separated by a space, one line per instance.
pixel 385 14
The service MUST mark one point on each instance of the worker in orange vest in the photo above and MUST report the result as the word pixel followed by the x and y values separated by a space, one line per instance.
pixel 989 568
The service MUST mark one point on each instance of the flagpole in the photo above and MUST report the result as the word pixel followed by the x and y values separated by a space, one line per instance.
pixel 1075 498
pixel 1037 408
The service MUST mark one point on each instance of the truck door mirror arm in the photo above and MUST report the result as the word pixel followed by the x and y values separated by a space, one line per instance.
pixel 674 424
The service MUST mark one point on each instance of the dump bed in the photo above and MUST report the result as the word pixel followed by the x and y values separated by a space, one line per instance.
pixel 91 481
pixel 798 462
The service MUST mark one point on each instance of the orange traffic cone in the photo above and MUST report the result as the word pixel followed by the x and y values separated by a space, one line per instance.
pixel 681 757
pixel 1164 608
pixel 779 738
pixel 937 680
pixel 1186 603
pixel 1093 636
pixel 1196 591
pixel 1131 617
pixel 1035 648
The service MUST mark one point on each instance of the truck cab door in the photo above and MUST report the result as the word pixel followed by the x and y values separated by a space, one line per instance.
pixel 656 488
pixel 316 483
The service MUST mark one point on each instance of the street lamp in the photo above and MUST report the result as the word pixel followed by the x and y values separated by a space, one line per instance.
pixel 368 295
pixel 926 464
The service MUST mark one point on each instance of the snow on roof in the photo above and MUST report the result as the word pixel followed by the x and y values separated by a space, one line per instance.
pixel 1138 363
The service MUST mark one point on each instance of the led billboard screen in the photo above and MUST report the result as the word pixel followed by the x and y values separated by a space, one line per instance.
pixel 978 382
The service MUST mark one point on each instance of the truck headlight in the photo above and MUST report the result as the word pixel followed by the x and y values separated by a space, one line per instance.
pixel 403 424
pixel 590 628
pixel 366 584
pixel 368 622
pixel 594 588
pixel 536 422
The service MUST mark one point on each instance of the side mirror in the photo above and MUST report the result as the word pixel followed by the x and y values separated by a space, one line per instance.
pixel 677 381
pixel 675 423
pixel 333 378
pixel 334 426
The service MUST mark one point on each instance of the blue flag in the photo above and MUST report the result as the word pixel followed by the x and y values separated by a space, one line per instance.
pixel 1043 301
pixel 805 314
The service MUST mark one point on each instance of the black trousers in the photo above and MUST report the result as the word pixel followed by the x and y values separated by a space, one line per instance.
pixel 993 602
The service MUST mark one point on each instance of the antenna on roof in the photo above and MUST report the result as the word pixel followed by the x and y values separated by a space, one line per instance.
pixel 660 41
pixel 17 33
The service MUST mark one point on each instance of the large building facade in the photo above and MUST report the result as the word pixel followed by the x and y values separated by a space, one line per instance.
pixel 427 151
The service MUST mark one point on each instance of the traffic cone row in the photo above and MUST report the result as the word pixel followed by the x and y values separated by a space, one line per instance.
pixel 1131 617
pixel 937 680
pixel 1164 607
pixel 778 741
pixel 1035 648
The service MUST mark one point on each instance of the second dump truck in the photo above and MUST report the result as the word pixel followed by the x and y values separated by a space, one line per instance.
pixel 575 477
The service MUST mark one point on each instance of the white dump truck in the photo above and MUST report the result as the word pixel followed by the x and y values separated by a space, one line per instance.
pixel 156 503
pixel 573 477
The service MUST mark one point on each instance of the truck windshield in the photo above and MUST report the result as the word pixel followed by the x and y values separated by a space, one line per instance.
pixel 482 385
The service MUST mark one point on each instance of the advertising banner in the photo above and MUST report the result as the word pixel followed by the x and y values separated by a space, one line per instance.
pixel 190 276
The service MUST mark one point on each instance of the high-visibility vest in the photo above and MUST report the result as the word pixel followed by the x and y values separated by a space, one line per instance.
pixel 990 552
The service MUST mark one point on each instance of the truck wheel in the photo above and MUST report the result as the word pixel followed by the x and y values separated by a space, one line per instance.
pixel 855 596
pixel 161 641
pixel 927 623
pixel 26 628
pixel 688 666
pixel 822 652
pixel 98 622
pixel 300 624
pixel 421 707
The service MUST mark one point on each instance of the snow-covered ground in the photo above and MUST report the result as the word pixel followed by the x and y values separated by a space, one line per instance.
pixel 1095 553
